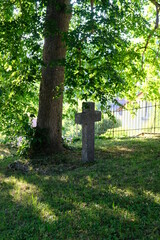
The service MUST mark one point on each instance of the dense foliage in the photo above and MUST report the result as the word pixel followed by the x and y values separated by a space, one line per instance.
pixel 20 64
pixel 101 60
pixel 106 42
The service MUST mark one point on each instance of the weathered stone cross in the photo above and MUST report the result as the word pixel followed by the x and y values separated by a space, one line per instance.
pixel 87 119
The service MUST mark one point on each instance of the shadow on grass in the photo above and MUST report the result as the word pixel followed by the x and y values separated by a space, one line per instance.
pixel 118 197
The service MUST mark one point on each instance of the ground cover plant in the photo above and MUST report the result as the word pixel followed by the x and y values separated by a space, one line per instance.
pixel 117 197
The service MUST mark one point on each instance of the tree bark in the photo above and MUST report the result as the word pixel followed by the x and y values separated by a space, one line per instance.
pixel 49 122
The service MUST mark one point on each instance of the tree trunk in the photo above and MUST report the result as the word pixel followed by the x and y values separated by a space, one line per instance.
pixel 49 123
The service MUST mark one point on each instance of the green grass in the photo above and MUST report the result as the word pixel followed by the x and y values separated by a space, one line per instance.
pixel 117 197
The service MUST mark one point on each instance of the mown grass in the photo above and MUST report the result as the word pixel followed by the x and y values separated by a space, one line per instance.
pixel 117 197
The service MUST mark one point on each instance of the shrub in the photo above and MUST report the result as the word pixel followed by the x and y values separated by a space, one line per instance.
pixel 106 124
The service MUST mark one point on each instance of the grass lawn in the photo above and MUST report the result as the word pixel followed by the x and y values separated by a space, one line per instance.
pixel 117 197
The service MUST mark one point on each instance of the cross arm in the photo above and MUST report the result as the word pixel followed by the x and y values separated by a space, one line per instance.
pixel 87 117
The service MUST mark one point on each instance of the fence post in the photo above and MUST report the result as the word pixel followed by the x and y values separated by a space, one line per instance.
pixel 155 118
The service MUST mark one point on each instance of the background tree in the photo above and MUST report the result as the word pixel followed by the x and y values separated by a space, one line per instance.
pixel 151 54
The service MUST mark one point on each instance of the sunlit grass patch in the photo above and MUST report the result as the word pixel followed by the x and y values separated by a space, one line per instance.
pixel 4 151
pixel 154 197
pixel 21 189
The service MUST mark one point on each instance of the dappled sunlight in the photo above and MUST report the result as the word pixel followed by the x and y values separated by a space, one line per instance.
pixel 122 192
pixel 90 181
pixel 113 196
pixel 21 188
pixel 122 145
pixel 98 206
pixel 150 195
pixel 124 213
pixel 2 177
pixel 80 205
pixel 114 148
pixel 63 178
pixel 28 194
pixel 96 210
pixel 125 149
pixel 4 151
pixel 45 212
pixel 109 188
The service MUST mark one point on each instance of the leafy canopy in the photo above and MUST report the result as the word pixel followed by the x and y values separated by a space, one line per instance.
pixel 103 59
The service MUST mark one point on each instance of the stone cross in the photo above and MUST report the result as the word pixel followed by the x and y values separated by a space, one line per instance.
pixel 87 119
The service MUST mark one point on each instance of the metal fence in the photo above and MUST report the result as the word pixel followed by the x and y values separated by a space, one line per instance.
pixel 127 121
pixel 142 118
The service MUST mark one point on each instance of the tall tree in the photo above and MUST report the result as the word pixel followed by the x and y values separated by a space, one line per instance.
pixel 49 124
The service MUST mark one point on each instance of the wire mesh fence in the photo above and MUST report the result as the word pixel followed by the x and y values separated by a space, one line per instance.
pixel 144 118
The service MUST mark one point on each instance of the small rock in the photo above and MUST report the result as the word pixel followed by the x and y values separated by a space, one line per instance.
pixel 18 165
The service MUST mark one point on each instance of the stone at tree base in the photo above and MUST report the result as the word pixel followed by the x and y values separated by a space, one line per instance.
pixel 87 119
pixel 18 165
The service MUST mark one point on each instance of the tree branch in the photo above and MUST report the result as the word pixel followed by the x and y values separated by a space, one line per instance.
pixel 155 3
pixel 92 3
pixel 154 29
